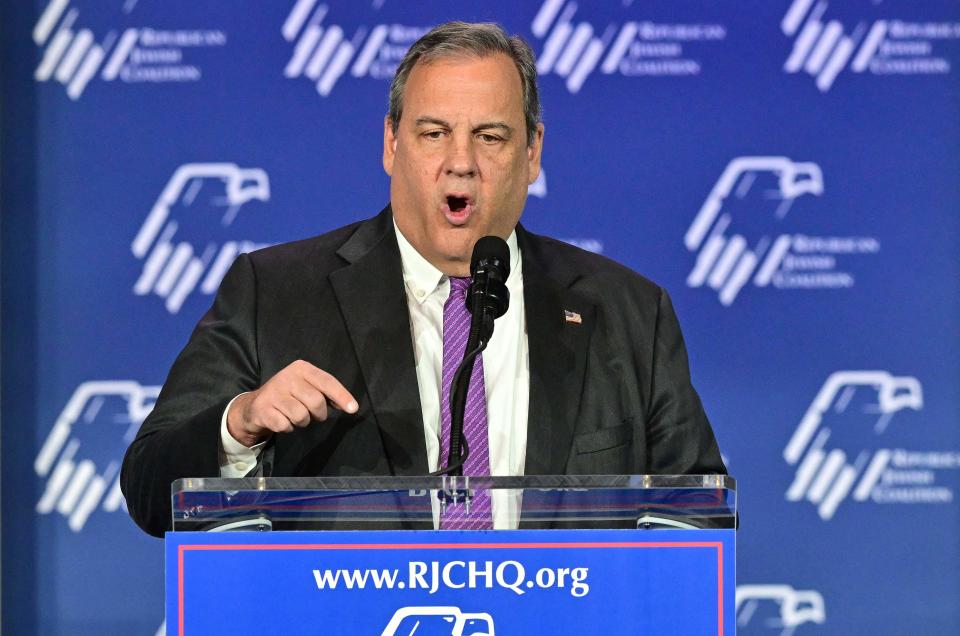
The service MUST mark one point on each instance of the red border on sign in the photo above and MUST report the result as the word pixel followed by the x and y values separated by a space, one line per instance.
pixel 717 545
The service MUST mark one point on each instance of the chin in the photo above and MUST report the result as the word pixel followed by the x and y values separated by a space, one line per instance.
pixel 457 242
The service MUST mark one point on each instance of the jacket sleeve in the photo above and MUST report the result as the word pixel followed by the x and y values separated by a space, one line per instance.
pixel 679 437
pixel 181 436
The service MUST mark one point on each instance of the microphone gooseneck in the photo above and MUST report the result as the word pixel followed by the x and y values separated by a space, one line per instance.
pixel 487 299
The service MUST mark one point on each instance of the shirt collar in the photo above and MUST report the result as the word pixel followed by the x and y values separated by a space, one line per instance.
pixel 422 278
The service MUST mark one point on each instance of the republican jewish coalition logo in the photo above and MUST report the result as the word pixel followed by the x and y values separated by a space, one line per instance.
pixel 81 456
pixel 823 47
pixel 838 448
pixel 575 49
pixel 184 243
pixel 74 55
pixel 442 621
pixel 777 609
pixel 324 51
pixel 741 234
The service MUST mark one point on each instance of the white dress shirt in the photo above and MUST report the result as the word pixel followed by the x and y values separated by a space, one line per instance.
pixel 506 376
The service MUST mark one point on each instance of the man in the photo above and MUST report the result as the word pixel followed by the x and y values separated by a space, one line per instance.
pixel 330 356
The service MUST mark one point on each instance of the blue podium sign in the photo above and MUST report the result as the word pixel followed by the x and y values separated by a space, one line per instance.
pixel 476 583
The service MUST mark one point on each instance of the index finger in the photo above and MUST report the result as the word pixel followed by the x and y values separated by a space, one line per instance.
pixel 331 388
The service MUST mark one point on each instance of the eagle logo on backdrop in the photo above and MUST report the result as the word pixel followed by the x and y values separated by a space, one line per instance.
pixel 762 608
pixel 574 50
pixel 726 258
pixel 182 242
pixel 825 473
pixel 323 52
pixel 80 459
pixel 74 56
pixel 824 47
pixel 742 232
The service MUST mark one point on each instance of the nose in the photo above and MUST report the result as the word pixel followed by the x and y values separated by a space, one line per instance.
pixel 460 160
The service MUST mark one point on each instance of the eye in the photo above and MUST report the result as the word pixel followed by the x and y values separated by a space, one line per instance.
pixel 433 134
pixel 488 138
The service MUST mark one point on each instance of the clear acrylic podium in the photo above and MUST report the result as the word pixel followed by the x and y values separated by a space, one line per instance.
pixel 352 503
pixel 622 554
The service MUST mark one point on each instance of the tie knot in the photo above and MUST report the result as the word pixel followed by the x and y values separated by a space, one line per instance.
pixel 459 286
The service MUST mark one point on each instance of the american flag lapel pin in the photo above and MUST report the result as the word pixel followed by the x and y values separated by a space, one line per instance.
pixel 572 317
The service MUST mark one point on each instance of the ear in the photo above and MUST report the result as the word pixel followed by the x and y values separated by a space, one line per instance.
pixel 534 151
pixel 389 145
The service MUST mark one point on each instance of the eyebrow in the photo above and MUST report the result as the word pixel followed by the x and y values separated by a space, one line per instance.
pixel 434 121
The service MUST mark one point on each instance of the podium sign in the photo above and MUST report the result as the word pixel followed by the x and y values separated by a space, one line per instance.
pixel 455 583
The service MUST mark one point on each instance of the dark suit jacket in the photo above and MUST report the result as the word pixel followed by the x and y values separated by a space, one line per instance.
pixel 611 395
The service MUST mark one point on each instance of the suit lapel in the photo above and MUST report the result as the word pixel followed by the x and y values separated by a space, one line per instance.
pixel 374 306
pixel 558 354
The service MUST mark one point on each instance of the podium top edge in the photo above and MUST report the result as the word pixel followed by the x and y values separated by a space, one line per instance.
pixel 632 482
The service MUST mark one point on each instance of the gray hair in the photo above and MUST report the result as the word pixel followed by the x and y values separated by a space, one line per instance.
pixel 453 39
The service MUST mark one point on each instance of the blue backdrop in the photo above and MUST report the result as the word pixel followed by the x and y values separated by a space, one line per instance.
pixel 787 169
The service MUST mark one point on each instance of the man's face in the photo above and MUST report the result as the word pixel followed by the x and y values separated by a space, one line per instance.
pixel 459 162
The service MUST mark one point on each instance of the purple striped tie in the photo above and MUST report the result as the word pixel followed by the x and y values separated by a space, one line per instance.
pixel 456 330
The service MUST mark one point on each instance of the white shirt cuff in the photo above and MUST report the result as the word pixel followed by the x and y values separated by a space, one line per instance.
pixel 236 460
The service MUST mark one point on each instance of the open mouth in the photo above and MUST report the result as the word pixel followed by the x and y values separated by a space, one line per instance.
pixel 457 204
pixel 457 208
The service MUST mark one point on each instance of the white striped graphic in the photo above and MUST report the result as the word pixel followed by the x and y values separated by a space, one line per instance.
pixel 841 54
pixel 828 38
pixel 739 278
pixel 705 261
pixel 228 252
pixel 52 56
pixel 548 11
pixel 828 472
pixel 120 54
pixel 573 52
pixel 826 478
pixel 186 284
pixel 88 68
pixel 83 473
pixel 869 47
pixel 802 46
pixel 837 493
pixel 620 47
pixel 324 52
pixel 59 479
pixel 727 263
pixel 76 487
pixel 794 16
pixel 585 66
pixel 574 49
pixel 302 51
pixel 48 20
pixel 772 262
pixel 553 47
pixel 369 52
pixel 872 475
pixel 296 19
pixel 70 58
pixel 823 51
pixel 805 474
pixel 728 258
pixel 174 268
pixel 335 69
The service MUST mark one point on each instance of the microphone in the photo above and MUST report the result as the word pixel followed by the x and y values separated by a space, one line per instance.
pixel 488 296
pixel 487 299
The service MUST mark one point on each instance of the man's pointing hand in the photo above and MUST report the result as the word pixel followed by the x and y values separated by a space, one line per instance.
pixel 294 397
